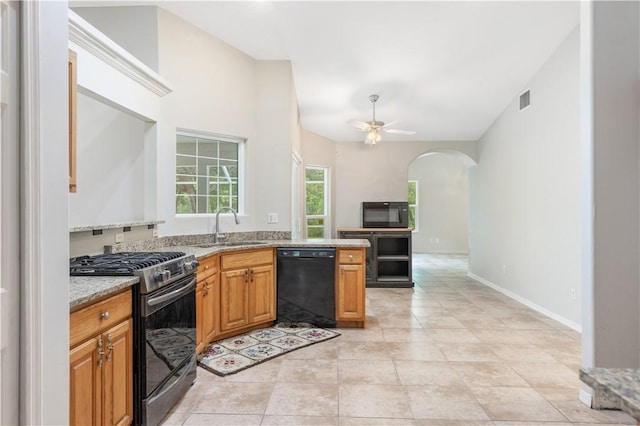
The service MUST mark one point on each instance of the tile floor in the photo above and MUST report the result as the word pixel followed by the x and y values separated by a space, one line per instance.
pixel 450 351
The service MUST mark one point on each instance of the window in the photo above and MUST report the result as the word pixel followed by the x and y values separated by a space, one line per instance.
pixel 316 200
pixel 207 172
pixel 413 204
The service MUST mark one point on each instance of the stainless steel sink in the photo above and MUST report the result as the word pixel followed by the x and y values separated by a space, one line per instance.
pixel 232 244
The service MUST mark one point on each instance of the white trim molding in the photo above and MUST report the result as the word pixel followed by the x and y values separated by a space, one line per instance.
pixel 31 350
pixel 535 307
pixel 585 397
pixel 95 42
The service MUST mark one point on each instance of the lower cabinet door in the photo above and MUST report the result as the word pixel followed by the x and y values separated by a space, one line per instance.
pixel 118 374
pixel 234 299
pixel 350 293
pixel 85 384
pixel 210 309
pixel 262 298
pixel 200 291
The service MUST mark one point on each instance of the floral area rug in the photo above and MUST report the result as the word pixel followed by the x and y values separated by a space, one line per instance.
pixel 240 352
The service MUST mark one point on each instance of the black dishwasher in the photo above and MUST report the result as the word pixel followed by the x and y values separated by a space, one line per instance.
pixel 306 285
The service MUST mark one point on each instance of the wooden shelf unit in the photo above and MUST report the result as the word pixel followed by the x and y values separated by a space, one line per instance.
pixel 388 260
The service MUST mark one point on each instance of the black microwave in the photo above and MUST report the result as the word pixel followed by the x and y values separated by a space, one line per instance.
pixel 385 214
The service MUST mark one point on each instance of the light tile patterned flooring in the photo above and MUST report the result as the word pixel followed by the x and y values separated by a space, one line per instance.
pixel 450 351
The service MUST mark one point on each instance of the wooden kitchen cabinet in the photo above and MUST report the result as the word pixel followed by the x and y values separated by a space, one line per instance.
pixel 73 101
pixel 350 287
pixel 207 302
pixel 101 363
pixel 247 290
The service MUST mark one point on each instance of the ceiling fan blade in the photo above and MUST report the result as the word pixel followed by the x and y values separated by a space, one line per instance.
pixel 389 124
pixel 361 125
pixel 399 132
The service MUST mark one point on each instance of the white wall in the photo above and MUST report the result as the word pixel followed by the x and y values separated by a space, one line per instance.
pixel 443 204
pixel 219 89
pixel 612 183
pixel 110 155
pixel 524 204
pixel 271 148
pixel 379 173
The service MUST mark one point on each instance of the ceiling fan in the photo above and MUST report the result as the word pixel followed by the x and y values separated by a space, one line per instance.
pixel 374 128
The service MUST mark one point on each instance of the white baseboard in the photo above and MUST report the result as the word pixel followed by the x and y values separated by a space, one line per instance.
pixel 585 397
pixel 528 303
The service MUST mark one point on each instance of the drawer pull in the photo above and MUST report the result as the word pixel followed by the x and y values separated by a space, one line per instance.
pixel 350 257
pixel 104 316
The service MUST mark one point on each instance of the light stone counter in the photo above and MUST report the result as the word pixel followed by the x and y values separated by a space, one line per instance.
pixel 619 387
pixel 84 290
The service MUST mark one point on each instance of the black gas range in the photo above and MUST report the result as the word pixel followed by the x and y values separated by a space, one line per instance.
pixel 164 307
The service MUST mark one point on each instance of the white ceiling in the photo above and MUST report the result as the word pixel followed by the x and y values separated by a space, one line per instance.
pixel 443 69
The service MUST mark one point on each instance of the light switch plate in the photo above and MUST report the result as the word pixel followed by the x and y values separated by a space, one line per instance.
pixel 272 217
pixel 120 237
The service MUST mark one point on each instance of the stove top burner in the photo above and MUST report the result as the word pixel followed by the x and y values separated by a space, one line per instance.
pixel 119 263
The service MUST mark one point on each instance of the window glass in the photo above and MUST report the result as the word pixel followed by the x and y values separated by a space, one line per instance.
pixel 207 173
pixel 316 202
pixel 413 204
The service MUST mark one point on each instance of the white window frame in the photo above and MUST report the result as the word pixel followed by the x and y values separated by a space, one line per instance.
pixel 327 198
pixel 416 205
pixel 240 141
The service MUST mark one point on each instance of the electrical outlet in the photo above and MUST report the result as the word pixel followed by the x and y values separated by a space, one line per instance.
pixel 120 237
pixel 573 294
pixel 272 217
pixel 155 233
pixel 437 240
pixel 504 269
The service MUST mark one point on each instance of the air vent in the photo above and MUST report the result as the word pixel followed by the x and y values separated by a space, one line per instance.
pixel 525 100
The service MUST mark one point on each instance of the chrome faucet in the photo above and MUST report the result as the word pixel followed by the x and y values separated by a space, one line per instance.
pixel 217 235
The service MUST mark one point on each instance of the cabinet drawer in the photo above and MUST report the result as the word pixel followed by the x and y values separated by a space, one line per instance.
pixel 99 316
pixel 207 267
pixel 350 256
pixel 246 259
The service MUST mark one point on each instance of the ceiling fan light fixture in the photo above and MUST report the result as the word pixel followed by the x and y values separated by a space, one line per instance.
pixel 374 128
pixel 372 137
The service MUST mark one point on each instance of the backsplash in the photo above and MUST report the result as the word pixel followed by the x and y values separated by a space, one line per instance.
pixel 195 239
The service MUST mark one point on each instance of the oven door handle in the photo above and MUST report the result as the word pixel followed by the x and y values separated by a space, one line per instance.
pixel 153 301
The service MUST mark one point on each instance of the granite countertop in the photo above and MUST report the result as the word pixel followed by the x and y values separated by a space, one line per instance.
pixel 84 290
pixel 617 385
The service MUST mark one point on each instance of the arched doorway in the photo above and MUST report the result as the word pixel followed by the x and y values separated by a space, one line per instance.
pixel 441 182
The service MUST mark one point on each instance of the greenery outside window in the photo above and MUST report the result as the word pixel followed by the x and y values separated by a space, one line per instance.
pixel 316 201
pixel 208 170
pixel 413 204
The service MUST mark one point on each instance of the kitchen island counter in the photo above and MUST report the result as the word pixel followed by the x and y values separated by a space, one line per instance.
pixel 619 387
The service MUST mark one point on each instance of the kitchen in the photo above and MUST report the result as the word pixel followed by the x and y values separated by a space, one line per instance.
pixel 55 240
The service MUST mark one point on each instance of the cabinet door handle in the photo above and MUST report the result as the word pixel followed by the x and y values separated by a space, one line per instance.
pixel 109 347
pixel 251 274
pixel 246 275
pixel 100 353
